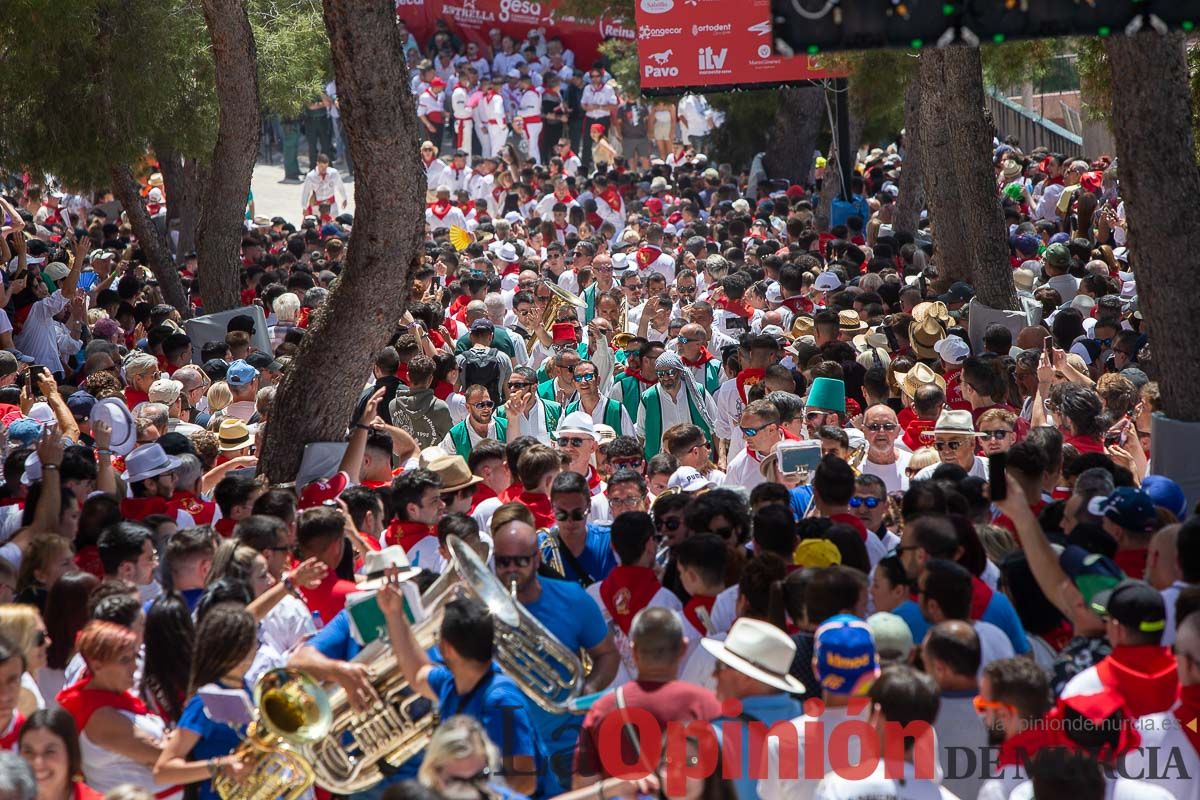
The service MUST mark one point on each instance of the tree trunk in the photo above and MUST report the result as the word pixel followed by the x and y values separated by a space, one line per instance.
pixel 158 256
pixel 907 217
pixel 356 322
pixel 964 208
pixel 1154 138
pixel 183 180
pixel 223 206
pixel 831 189
pixel 794 133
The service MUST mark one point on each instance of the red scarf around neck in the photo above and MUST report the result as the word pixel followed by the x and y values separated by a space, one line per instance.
pixel 441 208
pixel 539 504
pixel 704 357
pixel 81 702
pixel 691 611
pixel 747 378
pixel 638 375
pixel 9 740
pixel 798 304
pixel 737 307
pixel 1187 712
pixel 626 591
pixel 407 534
pixel 648 255
pixel 612 197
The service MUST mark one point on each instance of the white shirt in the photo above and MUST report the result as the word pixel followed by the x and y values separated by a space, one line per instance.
pixel 893 475
pixel 1047 207
pixel 603 96
pixel 774 787
pixel 880 787
pixel 1164 741
pixel 674 411
pixel 693 115
pixel 627 428
pixel 979 469
pixel 1169 596
pixel 436 174
pixel 453 217
pixel 1066 285
pixel 472 437
pixel 534 423
pixel 627 671
pixel 285 625
pixel 744 472
pixel 106 769
pixel 325 187
pixel 431 105
pixel 38 337
pixel 729 411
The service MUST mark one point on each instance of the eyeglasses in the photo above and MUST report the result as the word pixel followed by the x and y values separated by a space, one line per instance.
pixel 869 502
pixel 671 524
pixel 604 270
pixel 40 638
pixel 664 374
pixel 483 405
pixel 587 377
pixel 983 705
pixel 482 776
pixel 516 561
pixel 999 436
pixel 634 464
pixel 901 549
pixel 724 533
pixel 575 515
pixel 522 385
pixel 625 502
pixel 876 427
pixel 571 441
pixel 940 446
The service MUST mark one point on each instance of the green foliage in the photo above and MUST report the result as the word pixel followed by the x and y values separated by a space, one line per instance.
pixel 91 82
pixel 1095 77
pixel 1012 63
pixel 749 116
pixel 622 56
pixel 293 53
pixel 877 82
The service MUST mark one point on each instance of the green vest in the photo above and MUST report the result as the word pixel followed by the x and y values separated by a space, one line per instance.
pixel 462 439
pixel 631 393
pixel 712 377
pixel 544 376
pixel 654 429
pixel 612 413
pixel 551 409
pixel 589 296
pixel 546 390
pixel 500 340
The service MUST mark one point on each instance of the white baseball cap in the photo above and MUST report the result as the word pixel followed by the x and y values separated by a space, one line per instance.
pixel 578 422
pixel 827 282
pixel 952 349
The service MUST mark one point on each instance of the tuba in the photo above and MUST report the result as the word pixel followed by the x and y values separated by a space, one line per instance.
pixel 559 297
pixel 857 457
pixel 292 710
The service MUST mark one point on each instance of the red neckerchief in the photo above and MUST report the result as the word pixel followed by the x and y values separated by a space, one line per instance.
pixel 1144 677
pixel 852 521
pixel 302 317
pixel 443 389
pixel 1187 712
pixel 441 208
pixel 201 511
pixel 81 791
pixel 798 304
pixel 137 509
pixel 567 156
pixel 638 375
pixel 512 492
pixel 88 560
pixel 13 501
pixel 690 611
pixel 612 197
pixel 913 431
pixel 81 702
pixel 1133 561
pixel 133 397
pixel 626 591
pixel 9 740
pixel 981 595
pixel 1086 444
pixel 482 492
pixel 1059 637
pixel 407 534
pixel 402 373
pixel 375 484
pixel 648 255
pixel 747 378
pixel 704 357
pixel 460 304
pixel 539 504
pixel 737 307
pixel 593 479
pixel 225 526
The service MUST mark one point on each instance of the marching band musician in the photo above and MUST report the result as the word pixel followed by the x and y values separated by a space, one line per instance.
pixel 470 681
pixel 580 550
pixel 567 611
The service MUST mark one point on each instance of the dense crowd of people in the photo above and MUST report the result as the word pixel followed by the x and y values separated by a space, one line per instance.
pixel 747 470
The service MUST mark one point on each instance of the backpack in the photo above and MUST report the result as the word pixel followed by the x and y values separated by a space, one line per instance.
pixel 482 367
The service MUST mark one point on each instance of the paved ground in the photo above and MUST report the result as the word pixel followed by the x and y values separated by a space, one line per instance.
pixel 275 197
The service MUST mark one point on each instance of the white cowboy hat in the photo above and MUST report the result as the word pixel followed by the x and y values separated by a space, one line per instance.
pixel 760 651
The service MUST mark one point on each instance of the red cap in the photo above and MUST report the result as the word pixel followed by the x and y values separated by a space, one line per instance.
pixel 795 191
pixel 597 128
pixel 437 82
pixel 563 331
pixel 1091 182
pixel 316 493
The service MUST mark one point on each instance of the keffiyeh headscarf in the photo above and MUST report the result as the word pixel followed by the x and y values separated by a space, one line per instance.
pixel 671 360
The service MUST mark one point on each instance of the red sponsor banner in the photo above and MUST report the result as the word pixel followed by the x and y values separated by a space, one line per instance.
pixel 702 44
pixel 473 21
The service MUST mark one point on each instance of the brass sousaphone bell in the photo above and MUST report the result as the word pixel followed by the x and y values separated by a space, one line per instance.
pixel 559 297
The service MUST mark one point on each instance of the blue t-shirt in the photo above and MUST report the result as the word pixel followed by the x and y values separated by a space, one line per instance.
pixel 190 596
pixel 800 499
pixel 569 613
pixel 597 557
pixel 767 709
pixel 1000 612
pixel 216 739
pixel 910 612
pixel 499 706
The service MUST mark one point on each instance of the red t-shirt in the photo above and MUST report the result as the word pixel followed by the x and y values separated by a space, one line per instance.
pixel 667 702
pixel 328 597
pixel 1085 444
pixel 133 397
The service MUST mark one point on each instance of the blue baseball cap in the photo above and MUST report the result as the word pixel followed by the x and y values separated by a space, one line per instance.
pixel 80 403
pixel 1130 508
pixel 844 649
pixel 1166 493
pixel 25 431
pixel 240 373
pixel 1092 573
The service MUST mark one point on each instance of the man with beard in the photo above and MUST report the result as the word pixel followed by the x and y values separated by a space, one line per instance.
pixel 884 460
pixel 478 425
pixel 567 611
pixel 692 346
pixel 1014 694
pixel 603 410
pixel 578 548
pixel 674 399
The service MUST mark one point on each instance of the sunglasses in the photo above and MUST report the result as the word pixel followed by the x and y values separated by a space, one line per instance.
pixel 876 427
pixel 940 446
pixel 585 378
pixel 664 374
pixel 516 561
pixel 627 463
pixel 671 524
pixel 982 705
pixel 686 340
pixel 40 638
pixel 750 433
pixel 869 502
pixel 515 386
pixel 811 415
pixel 604 270
pixel 576 515
pixel 999 436
pixel 571 441
pixel 724 533
pixel 484 405
pixel 686 289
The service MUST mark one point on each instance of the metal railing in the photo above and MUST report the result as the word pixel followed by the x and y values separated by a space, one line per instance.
pixel 1031 129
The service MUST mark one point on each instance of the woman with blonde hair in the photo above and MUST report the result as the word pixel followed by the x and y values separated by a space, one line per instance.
pixel 462 763
pixel 22 625
pixel 922 458
pixel 48 557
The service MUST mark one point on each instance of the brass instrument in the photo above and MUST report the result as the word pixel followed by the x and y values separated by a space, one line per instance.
pixel 292 710
pixel 558 298
pixel 349 758
pixel 555 561
pixel 857 457
pixel 620 340
pixel 623 320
